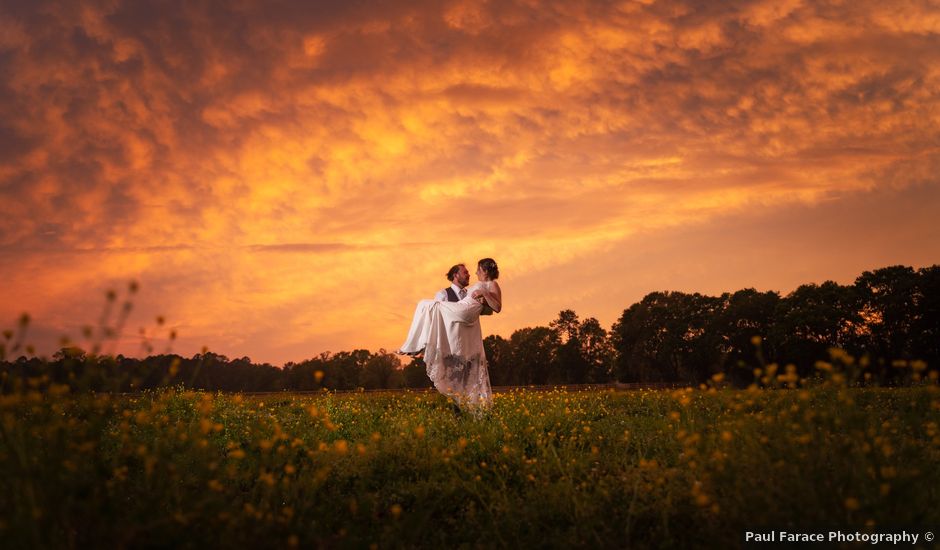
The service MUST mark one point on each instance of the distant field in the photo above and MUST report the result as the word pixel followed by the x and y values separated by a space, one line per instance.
pixel 617 386
pixel 647 468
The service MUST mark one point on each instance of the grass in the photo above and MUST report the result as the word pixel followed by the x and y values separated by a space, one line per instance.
pixel 665 468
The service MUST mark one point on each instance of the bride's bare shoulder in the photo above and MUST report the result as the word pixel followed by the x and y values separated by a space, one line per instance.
pixel 493 285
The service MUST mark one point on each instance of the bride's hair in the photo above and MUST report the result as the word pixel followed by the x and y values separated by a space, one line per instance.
pixel 489 266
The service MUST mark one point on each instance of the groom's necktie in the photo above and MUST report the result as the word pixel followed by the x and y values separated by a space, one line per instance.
pixel 462 294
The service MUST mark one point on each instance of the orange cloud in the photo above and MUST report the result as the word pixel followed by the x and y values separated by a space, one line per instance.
pixel 288 179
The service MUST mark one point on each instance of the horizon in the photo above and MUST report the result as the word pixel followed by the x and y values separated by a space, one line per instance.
pixel 87 346
pixel 287 180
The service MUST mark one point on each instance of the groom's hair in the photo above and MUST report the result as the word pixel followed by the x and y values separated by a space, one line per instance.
pixel 453 271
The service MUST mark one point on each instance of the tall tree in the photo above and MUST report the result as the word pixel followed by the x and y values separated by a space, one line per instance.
pixel 810 320
pixel 596 351
pixel 566 326
pixel 662 338
pixel 741 316
pixel 889 299
pixel 571 367
pixel 533 355
pixel 926 337
pixel 499 359
pixel 381 370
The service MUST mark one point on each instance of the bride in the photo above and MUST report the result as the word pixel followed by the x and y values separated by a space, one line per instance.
pixel 449 335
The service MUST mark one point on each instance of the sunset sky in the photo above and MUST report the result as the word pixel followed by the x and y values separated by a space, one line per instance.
pixel 286 178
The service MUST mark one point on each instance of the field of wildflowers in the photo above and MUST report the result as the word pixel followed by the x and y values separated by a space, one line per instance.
pixel 664 468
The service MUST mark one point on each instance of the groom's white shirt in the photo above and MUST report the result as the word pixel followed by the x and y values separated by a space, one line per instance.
pixel 441 296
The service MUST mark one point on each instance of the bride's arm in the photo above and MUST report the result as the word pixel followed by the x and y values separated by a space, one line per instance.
pixel 493 296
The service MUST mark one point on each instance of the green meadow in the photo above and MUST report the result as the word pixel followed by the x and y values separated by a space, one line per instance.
pixel 644 468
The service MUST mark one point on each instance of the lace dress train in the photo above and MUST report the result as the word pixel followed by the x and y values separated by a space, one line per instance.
pixel 452 340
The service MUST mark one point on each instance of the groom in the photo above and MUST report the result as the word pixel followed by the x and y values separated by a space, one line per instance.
pixel 459 278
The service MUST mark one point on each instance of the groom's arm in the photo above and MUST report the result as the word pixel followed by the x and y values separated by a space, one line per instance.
pixel 491 300
pixel 487 310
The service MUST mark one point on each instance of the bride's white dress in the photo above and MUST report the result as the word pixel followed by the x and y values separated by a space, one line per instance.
pixel 450 334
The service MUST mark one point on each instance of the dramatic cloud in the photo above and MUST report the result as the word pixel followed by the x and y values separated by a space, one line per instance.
pixel 289 177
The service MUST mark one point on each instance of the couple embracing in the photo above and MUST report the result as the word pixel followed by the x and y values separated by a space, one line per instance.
pixel 446 330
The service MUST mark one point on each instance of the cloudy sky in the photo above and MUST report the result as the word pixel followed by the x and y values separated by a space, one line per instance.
pixel 285 178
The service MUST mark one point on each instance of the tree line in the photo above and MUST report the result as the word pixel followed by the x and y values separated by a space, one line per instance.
pixel 886 318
